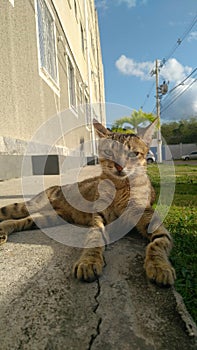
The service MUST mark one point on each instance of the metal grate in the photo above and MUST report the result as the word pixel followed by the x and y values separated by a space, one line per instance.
pixel 46 28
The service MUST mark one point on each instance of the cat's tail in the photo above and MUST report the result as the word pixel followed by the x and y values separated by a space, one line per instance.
pixel 36 204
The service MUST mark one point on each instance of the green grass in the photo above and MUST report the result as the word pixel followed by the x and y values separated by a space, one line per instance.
pixel 181 221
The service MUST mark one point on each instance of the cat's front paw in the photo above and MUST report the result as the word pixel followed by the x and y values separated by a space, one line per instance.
pixel 3 236
pixel 88 268
pixel 160 272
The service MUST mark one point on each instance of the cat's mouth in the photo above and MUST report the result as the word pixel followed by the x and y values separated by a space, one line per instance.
pixel 123 172
pixel 118 167
pixel 120 171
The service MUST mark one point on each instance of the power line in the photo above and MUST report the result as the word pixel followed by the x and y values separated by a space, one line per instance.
pixel 174 48
pixel 180 84
pixel 179 41
pixel 148 95
pixel 178 95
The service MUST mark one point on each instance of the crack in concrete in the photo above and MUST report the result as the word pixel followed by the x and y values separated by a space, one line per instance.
pixel 94 336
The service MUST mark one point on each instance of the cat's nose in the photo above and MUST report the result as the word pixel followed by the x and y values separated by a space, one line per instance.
pixel 118 167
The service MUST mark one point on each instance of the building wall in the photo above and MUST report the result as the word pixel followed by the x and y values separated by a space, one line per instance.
pixel 177 151
pixel 28 100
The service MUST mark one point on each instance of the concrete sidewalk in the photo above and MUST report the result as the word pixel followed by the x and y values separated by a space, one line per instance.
pixel 43 307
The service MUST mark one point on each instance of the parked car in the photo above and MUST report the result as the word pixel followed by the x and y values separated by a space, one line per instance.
pixel 191 155
pixel 150 158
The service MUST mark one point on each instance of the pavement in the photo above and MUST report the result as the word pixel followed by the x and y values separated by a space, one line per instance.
pixel 42 307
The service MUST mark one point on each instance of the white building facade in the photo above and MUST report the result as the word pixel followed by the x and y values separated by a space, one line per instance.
pixel 51 67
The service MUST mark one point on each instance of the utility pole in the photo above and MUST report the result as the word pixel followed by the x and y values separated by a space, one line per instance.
pixel 159 140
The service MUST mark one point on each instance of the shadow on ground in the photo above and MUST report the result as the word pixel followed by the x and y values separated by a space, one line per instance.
pixel 44 307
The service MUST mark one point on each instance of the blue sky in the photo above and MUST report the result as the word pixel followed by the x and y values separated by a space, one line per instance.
pixel 136 32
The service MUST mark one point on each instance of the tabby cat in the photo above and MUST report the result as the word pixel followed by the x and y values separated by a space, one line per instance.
pixel 123 161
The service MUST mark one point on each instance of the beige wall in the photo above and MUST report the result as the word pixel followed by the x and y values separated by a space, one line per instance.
pixel 26 100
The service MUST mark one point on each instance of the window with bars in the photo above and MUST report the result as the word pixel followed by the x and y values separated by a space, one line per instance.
pixel 71 83
pixel 79 95
pixel 47 43
pixel 87 112
pixel 92 45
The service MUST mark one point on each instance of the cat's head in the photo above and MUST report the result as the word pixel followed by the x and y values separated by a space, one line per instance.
pixel 122 155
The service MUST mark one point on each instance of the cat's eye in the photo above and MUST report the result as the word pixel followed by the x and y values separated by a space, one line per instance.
pixel 108 152
pixel 133 154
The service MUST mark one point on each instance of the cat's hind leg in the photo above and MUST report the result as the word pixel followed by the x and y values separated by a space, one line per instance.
pixel 40 202
pixel 8 227
pixel 13 211
pixel 10 211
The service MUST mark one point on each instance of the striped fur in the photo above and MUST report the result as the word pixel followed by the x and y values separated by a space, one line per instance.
pixel 123 162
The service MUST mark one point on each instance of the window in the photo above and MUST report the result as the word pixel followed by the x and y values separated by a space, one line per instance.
pixel 71 84
pixel 95 91
pixel 82 39
pixel 92 45
pixel 47 42
pixel 87 112
pixel 80 95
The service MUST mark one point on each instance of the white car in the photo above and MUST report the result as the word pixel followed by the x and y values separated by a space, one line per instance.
pixel 192 155
pixel 150 157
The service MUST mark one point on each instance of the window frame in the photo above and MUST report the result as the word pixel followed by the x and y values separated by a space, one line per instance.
pixel 43 71
pixel 87 112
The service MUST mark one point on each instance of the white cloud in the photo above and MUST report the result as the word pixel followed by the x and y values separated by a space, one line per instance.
pixel 101 4
pixel 184 106
pixel 180 103
pixel 173 70
pixel 128 66
pixel 192 36
pixel 129 3
pixel 104 4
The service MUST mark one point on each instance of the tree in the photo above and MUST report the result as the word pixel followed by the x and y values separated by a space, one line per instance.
pixel 137 118
pixel 184 131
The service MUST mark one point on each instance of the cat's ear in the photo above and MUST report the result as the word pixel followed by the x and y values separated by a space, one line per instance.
pixel 147 133
pixel 100 129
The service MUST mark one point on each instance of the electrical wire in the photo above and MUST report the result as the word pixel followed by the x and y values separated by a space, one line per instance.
pixel 182 82
pixel 178 95
pixel 163 62
pixel 179 84
pixel 179 41
pixel 148 95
